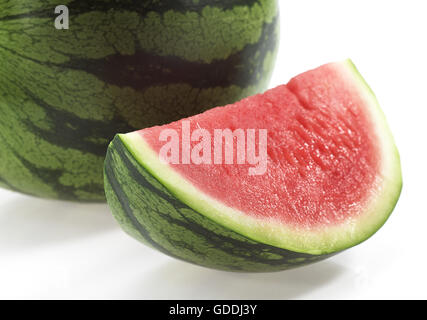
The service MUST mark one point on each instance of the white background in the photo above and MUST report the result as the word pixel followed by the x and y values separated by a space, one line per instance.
pixel 52 249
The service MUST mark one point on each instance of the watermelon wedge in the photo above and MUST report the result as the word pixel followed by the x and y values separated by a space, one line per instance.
pixel 275 181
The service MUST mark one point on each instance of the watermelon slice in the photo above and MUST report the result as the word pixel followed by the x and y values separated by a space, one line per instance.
pixel 310 170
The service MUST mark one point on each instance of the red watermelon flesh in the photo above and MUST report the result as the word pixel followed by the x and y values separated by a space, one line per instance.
pixel 331 162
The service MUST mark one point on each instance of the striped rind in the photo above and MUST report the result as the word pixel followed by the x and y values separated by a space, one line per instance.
pixel 149 212
pixel 123 65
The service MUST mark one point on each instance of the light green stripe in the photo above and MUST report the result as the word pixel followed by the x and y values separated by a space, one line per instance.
pixel 19 7
pixel 212 34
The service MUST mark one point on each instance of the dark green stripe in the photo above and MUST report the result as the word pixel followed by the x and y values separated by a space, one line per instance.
pixel 112 180
pixel 69 131
pixel 164 70
pixel 144 70
pixel 77 7
pixel 53 177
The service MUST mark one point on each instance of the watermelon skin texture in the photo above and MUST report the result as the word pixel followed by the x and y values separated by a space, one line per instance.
pixel 122 66
pixel 163 222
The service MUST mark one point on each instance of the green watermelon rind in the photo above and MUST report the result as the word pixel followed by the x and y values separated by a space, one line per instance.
pixel 318 242
pixel 393 174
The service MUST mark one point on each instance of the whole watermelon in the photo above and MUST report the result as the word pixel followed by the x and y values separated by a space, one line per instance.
pixel 121 66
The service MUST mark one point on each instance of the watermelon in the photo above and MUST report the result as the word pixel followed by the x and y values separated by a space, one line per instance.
pixel 121 65
pixel 331 176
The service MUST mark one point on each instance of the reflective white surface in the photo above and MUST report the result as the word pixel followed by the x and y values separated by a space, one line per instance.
pixel 53 249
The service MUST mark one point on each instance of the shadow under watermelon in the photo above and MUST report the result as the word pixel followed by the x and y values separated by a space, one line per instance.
pixel 180 280
pixel 28 222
